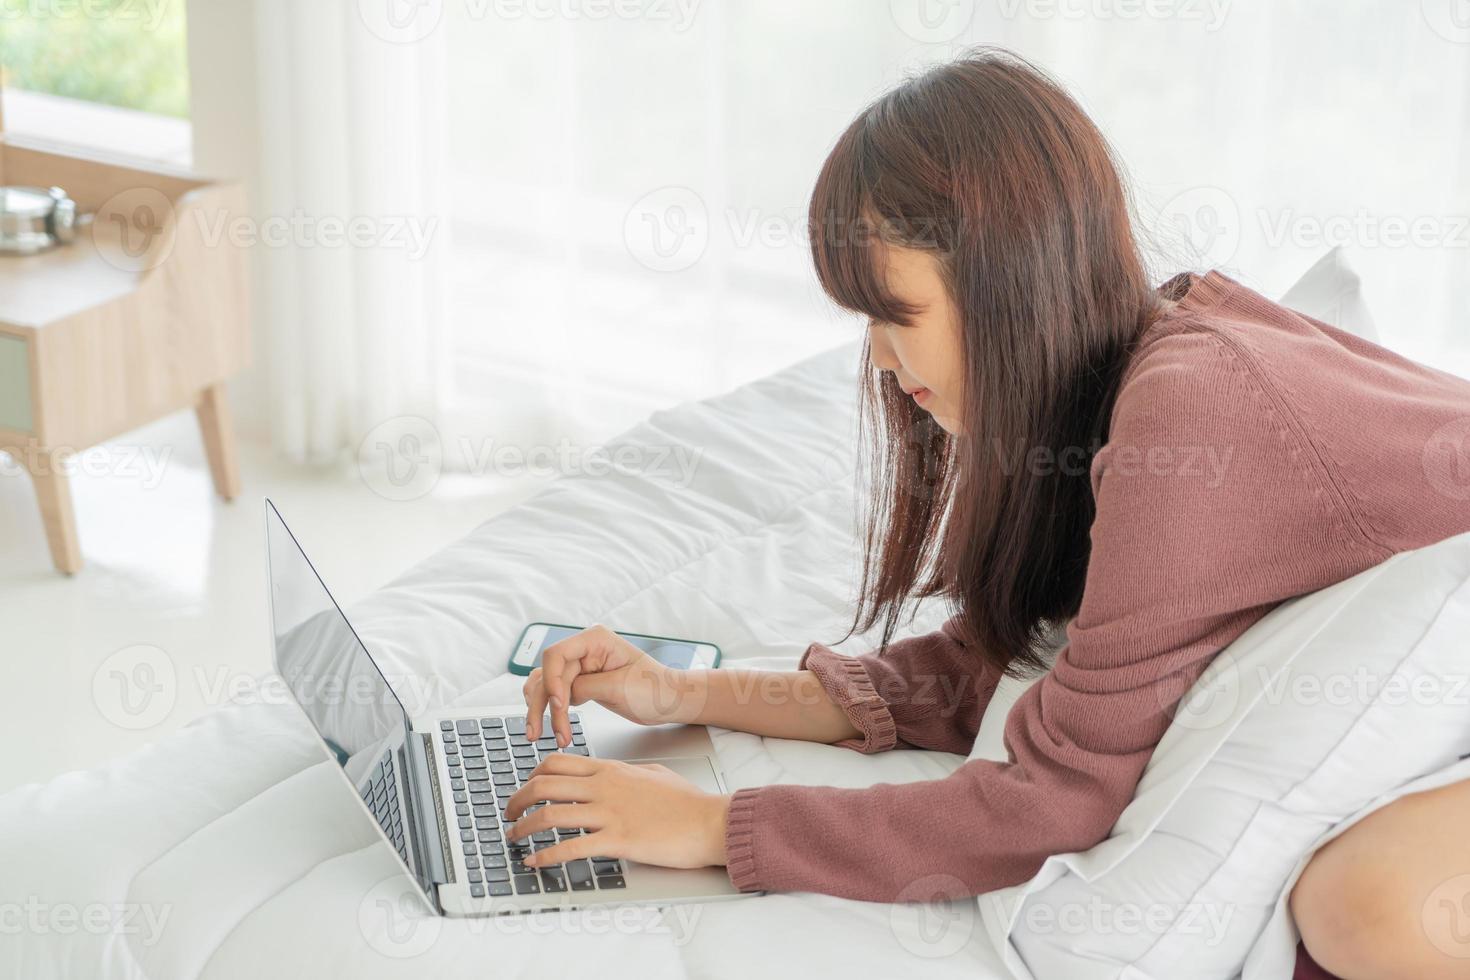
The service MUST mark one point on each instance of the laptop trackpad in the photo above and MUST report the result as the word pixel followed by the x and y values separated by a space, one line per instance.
pixel 695 768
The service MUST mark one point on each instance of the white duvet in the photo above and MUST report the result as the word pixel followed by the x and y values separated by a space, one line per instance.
pixel 229 849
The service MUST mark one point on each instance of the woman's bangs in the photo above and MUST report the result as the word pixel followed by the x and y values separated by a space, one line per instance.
pixel 848 246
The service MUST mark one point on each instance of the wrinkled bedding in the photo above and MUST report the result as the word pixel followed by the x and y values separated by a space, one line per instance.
pixel 230 849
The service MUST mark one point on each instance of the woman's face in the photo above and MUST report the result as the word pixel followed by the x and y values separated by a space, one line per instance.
pixel 925 357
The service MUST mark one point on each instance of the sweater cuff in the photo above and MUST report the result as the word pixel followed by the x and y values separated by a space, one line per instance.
pixel 740 840
pixel 846 680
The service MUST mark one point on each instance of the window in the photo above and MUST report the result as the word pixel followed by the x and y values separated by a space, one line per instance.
pixel 106 74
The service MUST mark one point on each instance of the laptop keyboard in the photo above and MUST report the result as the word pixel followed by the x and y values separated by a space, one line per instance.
pixel 489 759
pixel 381 796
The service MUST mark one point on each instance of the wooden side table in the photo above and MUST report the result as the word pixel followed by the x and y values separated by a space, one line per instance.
pixel 143 315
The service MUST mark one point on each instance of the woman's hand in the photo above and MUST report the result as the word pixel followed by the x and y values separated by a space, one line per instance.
pixel 598 665
pixel 644 813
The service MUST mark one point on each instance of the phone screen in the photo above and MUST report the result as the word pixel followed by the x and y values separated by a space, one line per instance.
pixel 670 653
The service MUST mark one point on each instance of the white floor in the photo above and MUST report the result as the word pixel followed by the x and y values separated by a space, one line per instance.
pixel 170 566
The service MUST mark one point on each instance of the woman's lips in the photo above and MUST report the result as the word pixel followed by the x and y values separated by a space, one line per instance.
pixel 920 395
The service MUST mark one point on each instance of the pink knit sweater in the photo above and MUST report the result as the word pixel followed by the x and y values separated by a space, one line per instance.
pixel 1254 455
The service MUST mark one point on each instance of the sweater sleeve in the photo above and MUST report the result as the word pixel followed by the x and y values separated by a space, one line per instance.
pixel 1212 507
pixel 925 692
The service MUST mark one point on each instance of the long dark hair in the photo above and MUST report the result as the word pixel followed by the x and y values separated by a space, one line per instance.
pixel 987 163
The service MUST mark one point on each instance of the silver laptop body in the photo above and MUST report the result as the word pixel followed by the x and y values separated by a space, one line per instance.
pixel 434 786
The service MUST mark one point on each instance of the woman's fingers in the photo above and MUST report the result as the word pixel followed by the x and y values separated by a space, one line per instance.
pixel 554 815
pixel 558 778
pixel 560 664
pixel 534 692
pixel 581 846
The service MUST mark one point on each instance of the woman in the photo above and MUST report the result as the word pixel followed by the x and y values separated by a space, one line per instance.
pixel 1056 443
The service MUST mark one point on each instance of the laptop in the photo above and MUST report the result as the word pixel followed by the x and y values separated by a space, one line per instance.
pixel 435 784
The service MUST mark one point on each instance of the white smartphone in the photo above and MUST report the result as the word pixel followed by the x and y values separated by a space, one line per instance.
pixel 671 652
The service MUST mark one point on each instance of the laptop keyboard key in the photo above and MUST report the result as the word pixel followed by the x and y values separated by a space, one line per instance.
pixel 499 888
pixel 527 884
pixel 580 875
pixel 467 727
pixel 611 881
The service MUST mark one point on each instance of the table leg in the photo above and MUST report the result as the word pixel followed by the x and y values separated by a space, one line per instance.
pixel 53 492
pixel 217 426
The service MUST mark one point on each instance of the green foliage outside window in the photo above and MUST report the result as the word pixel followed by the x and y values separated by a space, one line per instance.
pixel 128 53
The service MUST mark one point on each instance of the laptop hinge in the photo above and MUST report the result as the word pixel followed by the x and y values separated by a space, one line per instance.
pixel 427 810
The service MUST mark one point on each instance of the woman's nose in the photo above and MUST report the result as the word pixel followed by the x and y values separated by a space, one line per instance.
pixel 880 351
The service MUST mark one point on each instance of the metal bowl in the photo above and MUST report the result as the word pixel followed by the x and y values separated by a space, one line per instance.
pixel 33 219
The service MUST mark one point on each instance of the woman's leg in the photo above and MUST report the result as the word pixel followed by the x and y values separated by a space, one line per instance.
pixel 1390 898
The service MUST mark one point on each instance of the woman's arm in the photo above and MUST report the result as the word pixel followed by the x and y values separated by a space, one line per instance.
pixel 780 704
pixel 925 692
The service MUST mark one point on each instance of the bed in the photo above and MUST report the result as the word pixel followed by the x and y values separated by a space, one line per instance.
pixel 229 849
pixel 232 849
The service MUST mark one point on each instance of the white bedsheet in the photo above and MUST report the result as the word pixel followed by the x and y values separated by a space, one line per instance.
pixel 227 850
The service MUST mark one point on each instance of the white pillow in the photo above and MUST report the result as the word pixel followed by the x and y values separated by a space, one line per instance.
pixel 1326 705
pixel 1331 291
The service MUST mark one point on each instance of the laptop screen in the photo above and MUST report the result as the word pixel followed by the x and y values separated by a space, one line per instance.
pixel 343 693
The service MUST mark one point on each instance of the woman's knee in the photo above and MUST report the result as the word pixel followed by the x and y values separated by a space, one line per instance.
pixel 1391 896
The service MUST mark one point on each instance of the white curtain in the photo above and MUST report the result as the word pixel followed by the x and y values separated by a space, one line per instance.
pixel 620 187
pixel 348 224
